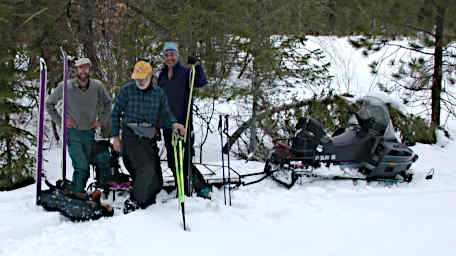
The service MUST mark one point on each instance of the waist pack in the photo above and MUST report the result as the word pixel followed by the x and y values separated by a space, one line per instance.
pixel 75 206
pixel 147 132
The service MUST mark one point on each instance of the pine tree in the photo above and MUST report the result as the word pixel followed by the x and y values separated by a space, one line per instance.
pixel 17 95
pixel 429 31
pixel 256 41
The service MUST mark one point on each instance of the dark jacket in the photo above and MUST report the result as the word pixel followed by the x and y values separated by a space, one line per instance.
pixel 177 88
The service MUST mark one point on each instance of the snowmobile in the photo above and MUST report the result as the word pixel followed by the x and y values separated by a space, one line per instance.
pixel 367 144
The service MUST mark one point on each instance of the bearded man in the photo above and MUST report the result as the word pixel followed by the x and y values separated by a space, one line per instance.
pixel 139 107
pixel 84 99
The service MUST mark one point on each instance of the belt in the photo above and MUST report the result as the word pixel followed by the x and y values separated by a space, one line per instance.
pixel 140 124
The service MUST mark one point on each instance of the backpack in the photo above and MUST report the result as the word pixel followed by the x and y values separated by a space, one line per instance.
pixel 106 162
pixel 75 206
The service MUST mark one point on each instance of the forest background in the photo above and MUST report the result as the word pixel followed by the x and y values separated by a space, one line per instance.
pixel 253 51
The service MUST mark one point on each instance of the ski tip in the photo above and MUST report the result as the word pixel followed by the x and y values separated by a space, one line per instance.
pixel 42 63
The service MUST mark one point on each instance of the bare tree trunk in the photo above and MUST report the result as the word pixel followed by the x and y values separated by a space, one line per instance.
pixel 256 84
pixel 9 156
pixel 88 35
pixel 254 125
pixel 438 63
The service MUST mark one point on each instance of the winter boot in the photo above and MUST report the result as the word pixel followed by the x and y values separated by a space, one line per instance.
pixel 204 193
pixel 130 206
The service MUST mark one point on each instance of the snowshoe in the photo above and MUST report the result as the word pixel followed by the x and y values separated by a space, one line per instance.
pixel 75 206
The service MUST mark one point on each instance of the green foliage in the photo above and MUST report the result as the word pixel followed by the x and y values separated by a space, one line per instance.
pixel 17 92
pixel 412 129
pixel 429 30
pixel 261 44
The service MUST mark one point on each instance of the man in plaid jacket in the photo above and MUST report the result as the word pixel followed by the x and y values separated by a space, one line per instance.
pixel 139 107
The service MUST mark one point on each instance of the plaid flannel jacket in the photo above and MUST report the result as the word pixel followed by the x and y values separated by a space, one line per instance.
pixel 134 105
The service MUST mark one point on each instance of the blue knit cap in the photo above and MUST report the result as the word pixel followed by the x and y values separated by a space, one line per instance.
pixel 170 47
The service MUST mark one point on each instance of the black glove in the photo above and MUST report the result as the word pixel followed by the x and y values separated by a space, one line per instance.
pixel 192 60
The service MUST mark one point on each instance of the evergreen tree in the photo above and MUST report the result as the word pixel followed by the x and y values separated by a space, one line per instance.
pixel 17 94
pixel 429 31
pixel 256 41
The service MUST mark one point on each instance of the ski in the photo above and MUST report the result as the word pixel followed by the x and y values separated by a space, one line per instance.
pixel 64 111
pixel 178 150
pixel 186 135
pixel 39 159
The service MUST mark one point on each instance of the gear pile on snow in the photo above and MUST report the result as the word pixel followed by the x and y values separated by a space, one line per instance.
pixel 75 206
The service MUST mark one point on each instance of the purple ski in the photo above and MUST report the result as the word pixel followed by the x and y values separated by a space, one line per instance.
pixel 64 111
pixel 39 159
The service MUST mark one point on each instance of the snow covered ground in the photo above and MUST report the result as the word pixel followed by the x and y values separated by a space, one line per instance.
pixel 321 218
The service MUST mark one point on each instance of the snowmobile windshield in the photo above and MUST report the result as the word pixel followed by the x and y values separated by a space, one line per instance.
pixel 376 114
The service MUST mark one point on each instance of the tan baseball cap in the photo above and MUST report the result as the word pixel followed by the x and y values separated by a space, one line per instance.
pixel 141 70
pixel 82 61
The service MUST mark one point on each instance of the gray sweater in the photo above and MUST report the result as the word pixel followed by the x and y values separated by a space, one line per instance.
pixel 82 104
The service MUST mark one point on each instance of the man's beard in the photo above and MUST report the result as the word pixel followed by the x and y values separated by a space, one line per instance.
pixel 84 81
pixel 145 85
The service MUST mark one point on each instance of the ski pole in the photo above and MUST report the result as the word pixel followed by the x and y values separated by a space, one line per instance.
pixel 187 130
pixel 228 157
pixel 223 159
pixel 39 164
pixel 177 140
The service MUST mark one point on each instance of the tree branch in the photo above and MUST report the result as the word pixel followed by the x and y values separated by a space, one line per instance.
pixel 31 17
pixel 139 11
pixel 235 136
pixel 416 29
pixel 408 48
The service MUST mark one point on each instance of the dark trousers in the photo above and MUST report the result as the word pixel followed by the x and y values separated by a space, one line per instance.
pixel 198 181
pixel 141 159
pixel 80 147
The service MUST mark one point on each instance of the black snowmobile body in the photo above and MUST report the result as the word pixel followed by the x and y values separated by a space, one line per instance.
pixel 367 143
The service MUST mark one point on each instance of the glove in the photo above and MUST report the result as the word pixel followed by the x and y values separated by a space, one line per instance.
pixel 192 60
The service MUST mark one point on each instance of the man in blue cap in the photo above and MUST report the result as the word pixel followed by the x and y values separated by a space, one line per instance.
pixel 174 80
